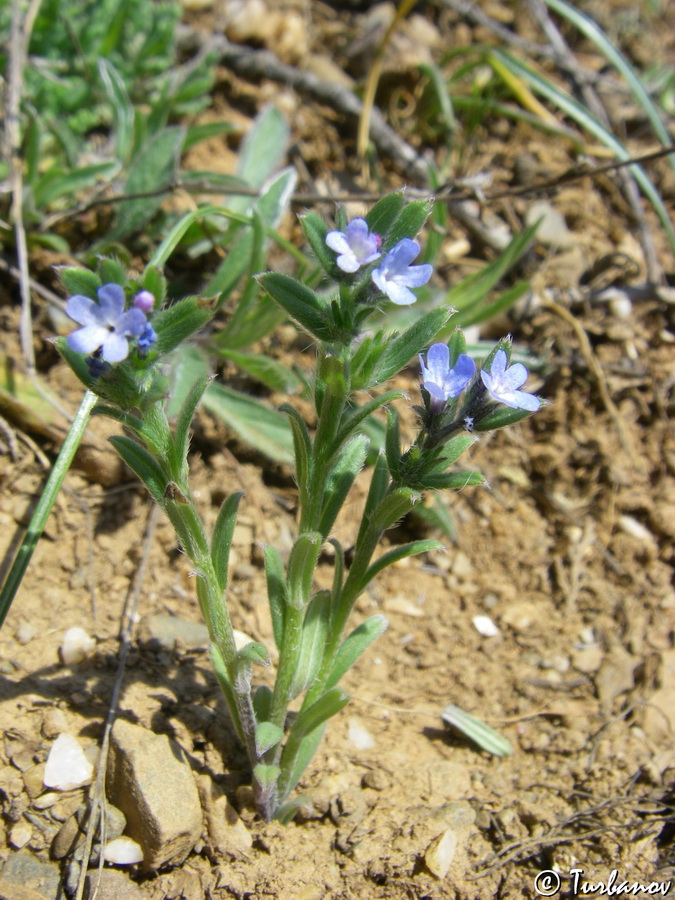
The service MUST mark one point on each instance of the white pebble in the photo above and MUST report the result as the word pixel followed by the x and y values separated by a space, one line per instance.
pixel 485 626
pixel 123 851
pixel 359 735
pixel 77 646
pixel 67 767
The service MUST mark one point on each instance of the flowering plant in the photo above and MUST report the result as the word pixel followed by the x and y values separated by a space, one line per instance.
pixel 120 355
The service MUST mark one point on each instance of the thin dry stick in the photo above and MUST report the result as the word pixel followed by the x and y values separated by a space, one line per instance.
pixel 373 78
pixel 567 60
pixel 598 374
pixel 97 794
pixel 23 18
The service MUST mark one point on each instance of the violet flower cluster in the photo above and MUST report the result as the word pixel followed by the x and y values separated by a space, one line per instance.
pixel 357 247
pixel 108 327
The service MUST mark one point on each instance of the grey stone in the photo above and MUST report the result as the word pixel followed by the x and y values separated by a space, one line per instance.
pixel 114 885
pixel 67 838
pixel 26 872
pixel 161 631
pixel 150 780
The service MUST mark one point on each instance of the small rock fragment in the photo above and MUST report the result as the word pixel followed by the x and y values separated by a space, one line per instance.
pixel 53 723
pixel 25 632
pixel 485 626
pixel 226 830
pixel 33 780
pixel 111 884
pixel 77 645
pixel 359 735
pixel 149 779
pixel 123 851
pixel 67 767
pixel 552 230
pixel 20 834
pixel 67 838
pixel 440 853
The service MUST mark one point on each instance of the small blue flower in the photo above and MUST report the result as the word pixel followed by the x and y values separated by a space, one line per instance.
pixel 396 276
pixel 107 326
pixel 356 245
pixel 503 384
pixel 442 382
pixel 147 338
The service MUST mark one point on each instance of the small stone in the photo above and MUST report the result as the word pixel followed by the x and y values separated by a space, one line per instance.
pixel 359 735
pixel 20 834
pixel 161 631
pixel 226 830
pixel 150 780
pixel 25 632
pixel 588 659
pixel 376 780
pixel 403 606
pixel 53 723
pixel 33 780
pixel 45 801
pixel 111 884
pixel 30 878
pixel 123 851
pixel 67 767
pixel 67 838
pixel 440 853
pixel 552 229
pixel 77 645
pixel 485 626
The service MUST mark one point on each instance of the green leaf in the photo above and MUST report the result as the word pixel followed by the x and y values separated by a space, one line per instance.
pixel 354 645
pixel 266 776
pixel 267 735
pixel 221 540
pixel 451 480
pixel 402 551
pixel 299 302
pixel 264 429
pixel 122 108
pixel 312 643
pixel 400 350
pixel 357 415
pixel 394 506
pixel 493 308
pixel 262 703
pixel 143 464
pixel 293 768
pixel 324 708
pixel 155 431
pixel 175 235
pixel 187 366
pixel 153 168
pixel 340 479
pixel 223 677
pixel 385 212
pixel 254 652
pixel 500 417
pixel 456 446
pixel 379 484
pixel 273 374
pixel 79 281
pixel 264 147
pixel 186 522
pixel 229 272
pixel 409 223
pixel 55 183
pixel 177 449
pixel 276 592
pixel 178 322
pixel 301 564
pixel 111 270
pixel 302 447
pixel 487 738
pixel 316 229
pixel 204 131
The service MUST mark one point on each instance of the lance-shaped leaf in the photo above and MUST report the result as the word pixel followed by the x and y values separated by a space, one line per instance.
pixel 316 229
pixel 394 506
pixel 221 540
pixel 379 484
pixel 312 642
pixel 393 556
pixel 110 270
pixel 451 480
pixel 324 708
pixel 354 645
pixel 276 592
pixel 186 522
pixel 266 776
pixel 403 348
pixel 178 322
pixel 178 448
pixel 340 479
pixel 143 464
pixel 500 417
pixel 301 564
pixel 262 703
pixel 455 447
pixel 409 223
pixel 296 758
pixel 360 413
pixel 77 280
pixel 155 282
pixel 392 443
pixel 302 446
pixel 267 735
pixel 487 738
pixel 299 302
pixel 155 431
pixel 382 216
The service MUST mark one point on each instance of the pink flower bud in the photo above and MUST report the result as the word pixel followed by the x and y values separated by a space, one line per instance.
pixel 144 301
